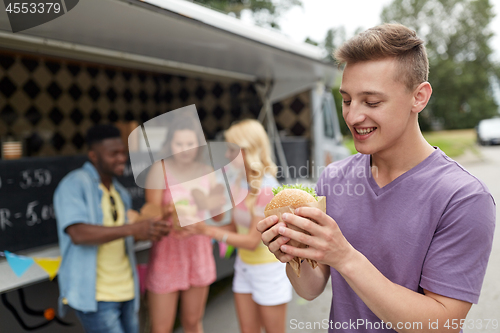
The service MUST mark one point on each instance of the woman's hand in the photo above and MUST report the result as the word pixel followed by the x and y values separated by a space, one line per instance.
pixel 168 211
pixel 198 228
pixel 152 229
pixel 326 243
pixel 182 233
pixel 269 227
pixel 195 228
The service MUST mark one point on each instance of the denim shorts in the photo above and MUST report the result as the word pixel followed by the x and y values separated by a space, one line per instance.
pixel 110 317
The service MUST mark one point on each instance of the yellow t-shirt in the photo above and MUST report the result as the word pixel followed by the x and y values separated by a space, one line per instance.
pixel 115 282
pixel 260 255
pixel 243 220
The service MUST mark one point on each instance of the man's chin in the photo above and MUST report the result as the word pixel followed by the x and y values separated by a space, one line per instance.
pixel 118 172
pixel 364 149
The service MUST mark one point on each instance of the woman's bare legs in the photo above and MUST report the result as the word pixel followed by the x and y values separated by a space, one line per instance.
pixel 273 318
pixel 193 303
pixel 162 311
pixel 248 313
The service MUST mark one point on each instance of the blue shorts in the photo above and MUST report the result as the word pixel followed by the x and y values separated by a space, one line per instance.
pixel 110 317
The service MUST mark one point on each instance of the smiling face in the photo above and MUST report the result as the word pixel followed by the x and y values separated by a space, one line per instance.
pixel 378 109
pixel 184 146
pixel 109 157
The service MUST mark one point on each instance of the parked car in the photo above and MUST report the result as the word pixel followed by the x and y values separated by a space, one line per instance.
pixel 488 131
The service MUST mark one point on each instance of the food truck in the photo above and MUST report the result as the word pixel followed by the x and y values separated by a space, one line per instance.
pixel 126 62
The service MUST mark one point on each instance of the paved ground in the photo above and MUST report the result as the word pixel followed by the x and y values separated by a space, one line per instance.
pixel 221 316
pixel 488 309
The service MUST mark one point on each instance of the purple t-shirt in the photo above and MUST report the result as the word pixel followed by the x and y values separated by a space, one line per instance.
pixel 431 228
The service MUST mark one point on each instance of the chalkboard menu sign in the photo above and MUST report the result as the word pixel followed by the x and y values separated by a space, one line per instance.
pixel 26 191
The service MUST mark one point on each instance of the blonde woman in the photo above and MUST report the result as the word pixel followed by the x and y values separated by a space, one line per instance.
pixel 260 285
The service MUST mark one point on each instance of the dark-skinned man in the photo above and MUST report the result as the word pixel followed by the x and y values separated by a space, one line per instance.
pixel 97 277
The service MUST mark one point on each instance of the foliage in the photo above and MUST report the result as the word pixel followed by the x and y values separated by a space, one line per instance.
pixel 337 97
pixel 457 36
pixel 309 190
pixel 453 143
pixel 265 12
pixel 333 39
pixel 349 144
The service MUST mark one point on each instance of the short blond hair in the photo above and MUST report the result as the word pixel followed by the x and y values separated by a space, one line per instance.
pixel 386 41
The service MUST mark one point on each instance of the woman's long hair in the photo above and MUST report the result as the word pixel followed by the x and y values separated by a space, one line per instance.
pixel 250 135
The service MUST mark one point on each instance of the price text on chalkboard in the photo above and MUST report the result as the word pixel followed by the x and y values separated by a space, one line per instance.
pixel 27 186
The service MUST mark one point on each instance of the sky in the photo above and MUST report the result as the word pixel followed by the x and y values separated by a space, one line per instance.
pixel 317 16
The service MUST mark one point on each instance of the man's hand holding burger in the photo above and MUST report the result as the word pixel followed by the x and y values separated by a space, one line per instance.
pixel 276 235
pixel 286 199
pixel 326 243
pixel 269 228
pixel 304 230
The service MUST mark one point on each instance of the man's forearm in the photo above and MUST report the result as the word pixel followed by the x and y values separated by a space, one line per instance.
pixel 88 234
pixel 311 282
pixel 396 304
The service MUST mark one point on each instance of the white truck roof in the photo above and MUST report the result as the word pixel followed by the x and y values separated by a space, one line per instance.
pixel 175 36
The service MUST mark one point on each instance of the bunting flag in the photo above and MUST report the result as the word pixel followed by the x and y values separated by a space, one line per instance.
pixel 49 265
pixel 229 251
pixel 225 250
pixel 19 264
pixel 222 249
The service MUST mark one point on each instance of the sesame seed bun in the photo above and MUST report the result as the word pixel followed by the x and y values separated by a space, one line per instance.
pixel 290 197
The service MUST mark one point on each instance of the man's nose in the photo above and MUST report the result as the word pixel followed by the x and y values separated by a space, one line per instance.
pixel 123 157
pixel 355 114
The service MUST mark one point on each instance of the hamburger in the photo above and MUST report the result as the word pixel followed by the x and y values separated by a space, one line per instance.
pixel 286 199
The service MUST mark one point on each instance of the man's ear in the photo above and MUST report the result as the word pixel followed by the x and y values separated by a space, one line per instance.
pixel 421 96
pixel 92 156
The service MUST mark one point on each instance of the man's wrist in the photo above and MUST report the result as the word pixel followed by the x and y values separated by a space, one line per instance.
pixel 131 229
pixel 352 261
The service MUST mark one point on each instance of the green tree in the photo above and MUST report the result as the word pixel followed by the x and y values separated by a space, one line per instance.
pixel 333 39
pixel 337 97
pixel 265 12
pixel 457 36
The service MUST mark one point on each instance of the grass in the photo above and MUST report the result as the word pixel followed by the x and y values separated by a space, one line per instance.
pixel 454 142
pixel 349 143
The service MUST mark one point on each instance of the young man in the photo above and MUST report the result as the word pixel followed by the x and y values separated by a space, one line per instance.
pixel 407 232
pixel 98 276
